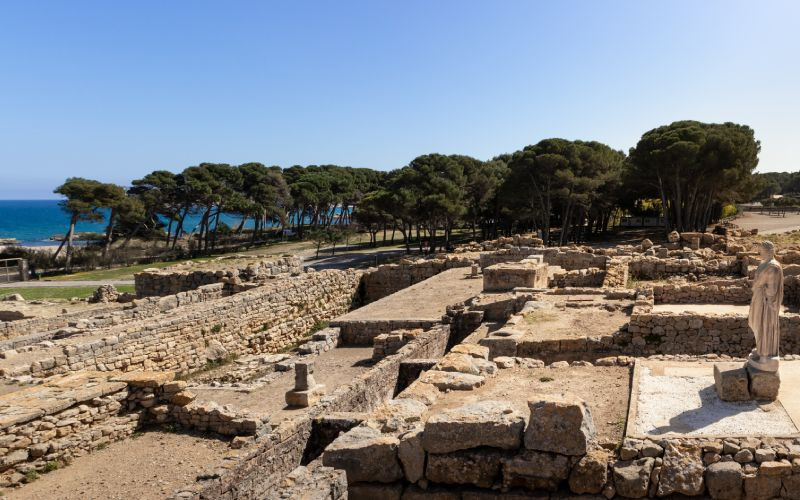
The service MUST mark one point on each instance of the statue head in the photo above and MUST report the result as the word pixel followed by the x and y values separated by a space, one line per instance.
pixel 766 249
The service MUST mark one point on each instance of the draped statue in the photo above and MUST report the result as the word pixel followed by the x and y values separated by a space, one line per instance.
pixel 765 308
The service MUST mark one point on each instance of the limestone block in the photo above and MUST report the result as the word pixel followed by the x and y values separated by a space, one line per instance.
pixel 632 477
pixel 590 474
pixel 303 399
pixel 474 350
pixel 366 455
pixel 560 425
pixel 724 481
pixel 461 363
pixel 422 392
pixel 397 415
pixel 761 487
pixel 501 346
pixel 682 471
pixel 731 382
pixel 476 467
pixel 371 491
pixel 764 386
pixel 453 381
pixel 412 455
pixel 535 470
pixel 486 423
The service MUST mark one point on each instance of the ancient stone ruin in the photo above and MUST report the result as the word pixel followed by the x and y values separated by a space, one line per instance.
pixel 505 369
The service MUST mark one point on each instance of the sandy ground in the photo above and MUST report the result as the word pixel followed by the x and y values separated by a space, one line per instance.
pixel 768 224
pixel 48 308
pixel 605 389
pixel 333 368
pixel 680 399
pixel 426 300
pixel 152 466
pixel 564 321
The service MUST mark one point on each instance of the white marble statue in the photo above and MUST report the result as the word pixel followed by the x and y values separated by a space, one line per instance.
pixel 765 308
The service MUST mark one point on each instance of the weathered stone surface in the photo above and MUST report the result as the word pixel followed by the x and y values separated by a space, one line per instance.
pixel 764 386
pixel 397 415
pixel 303 399
pixel 183 398
pixel 773 468
pixel 461 363
pixel 476 467
pixel 486 423
pixel 590 474
pixel 760 487
pixel 371 491
pixel 145 378
pixel 724 481
pixel 731 382
pixel 366 455
pixel 632 477
pixel 505 362
pixel 412 455
pixel 535 470
pixel 791 487
pixel 682 471
pixel 451 380
pixel 560 425
pixel 422 392
pixel 474 350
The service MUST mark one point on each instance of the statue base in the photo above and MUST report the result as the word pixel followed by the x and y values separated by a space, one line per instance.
pixel 763 363
pixel 304 399
pixel 736 382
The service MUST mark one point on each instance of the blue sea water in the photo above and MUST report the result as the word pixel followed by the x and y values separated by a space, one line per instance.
pixel 33 222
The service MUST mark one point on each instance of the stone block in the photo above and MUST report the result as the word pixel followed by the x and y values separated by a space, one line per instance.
pixel 423 392
pixel 501 346
pixel 365 455
pixel 476 467
pixel 486 423
pixel 724 481
pixel 535 470
pixel 412 455
pixel 590 474
pixel 397 415
pixel 461 363
pixel 474 350
pixel 760 487
pixel 303 399
pixel 632 477
pixel 764 386
pixel 682 470
pixel 731 382
pixel 509 275
pixel 453 381
pixel 560 425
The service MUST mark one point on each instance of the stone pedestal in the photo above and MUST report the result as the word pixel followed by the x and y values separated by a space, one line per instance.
pixel 731 382
pixel 305 398
pixel 764 385
pixel 306 390
pixel 737 382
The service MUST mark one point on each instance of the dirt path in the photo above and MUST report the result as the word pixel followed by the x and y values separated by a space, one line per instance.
pixel 768 224
pixel 152 466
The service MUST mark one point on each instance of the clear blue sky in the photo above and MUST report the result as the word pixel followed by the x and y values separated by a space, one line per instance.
pixel 113 90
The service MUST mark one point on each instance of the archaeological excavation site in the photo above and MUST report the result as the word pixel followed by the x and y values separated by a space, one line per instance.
pixel 504 369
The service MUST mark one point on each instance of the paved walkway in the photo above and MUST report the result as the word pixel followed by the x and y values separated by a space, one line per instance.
pixel 53 284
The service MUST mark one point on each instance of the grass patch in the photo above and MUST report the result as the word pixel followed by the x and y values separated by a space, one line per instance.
pixel 319 325
pixel 137 435
pixel 546 379
pixel 540 316
pixel 58 292
pixel 216 328
pixel 632 282
pixel 31 476
pixel 51 466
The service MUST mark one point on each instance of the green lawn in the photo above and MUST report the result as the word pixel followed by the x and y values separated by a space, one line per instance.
pixel 60 292
pixel 116 273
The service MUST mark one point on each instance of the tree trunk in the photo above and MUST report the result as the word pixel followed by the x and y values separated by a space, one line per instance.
pixel 109 231
pixel 68 260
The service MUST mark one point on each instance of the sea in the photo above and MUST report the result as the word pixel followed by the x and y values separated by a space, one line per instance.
pixel 34 222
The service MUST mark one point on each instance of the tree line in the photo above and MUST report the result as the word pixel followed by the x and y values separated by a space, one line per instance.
pixel 565 189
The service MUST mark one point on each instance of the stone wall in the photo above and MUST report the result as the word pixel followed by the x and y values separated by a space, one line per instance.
pixel 389 278
pixel 649 268
pixel 579 278
pixel 734 291
pixel 281 451
pixel 617 270
pixel 568 259
pixel 169 281
pixel 262 320
pixel 38 329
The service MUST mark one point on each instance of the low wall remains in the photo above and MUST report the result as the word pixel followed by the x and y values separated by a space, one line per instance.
pixel 390 278
pixel 262 320
pixel 40 329
pixel 282 450
pixel 734 291
pixel 169 281
pixel 650 267
pixel 569 259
